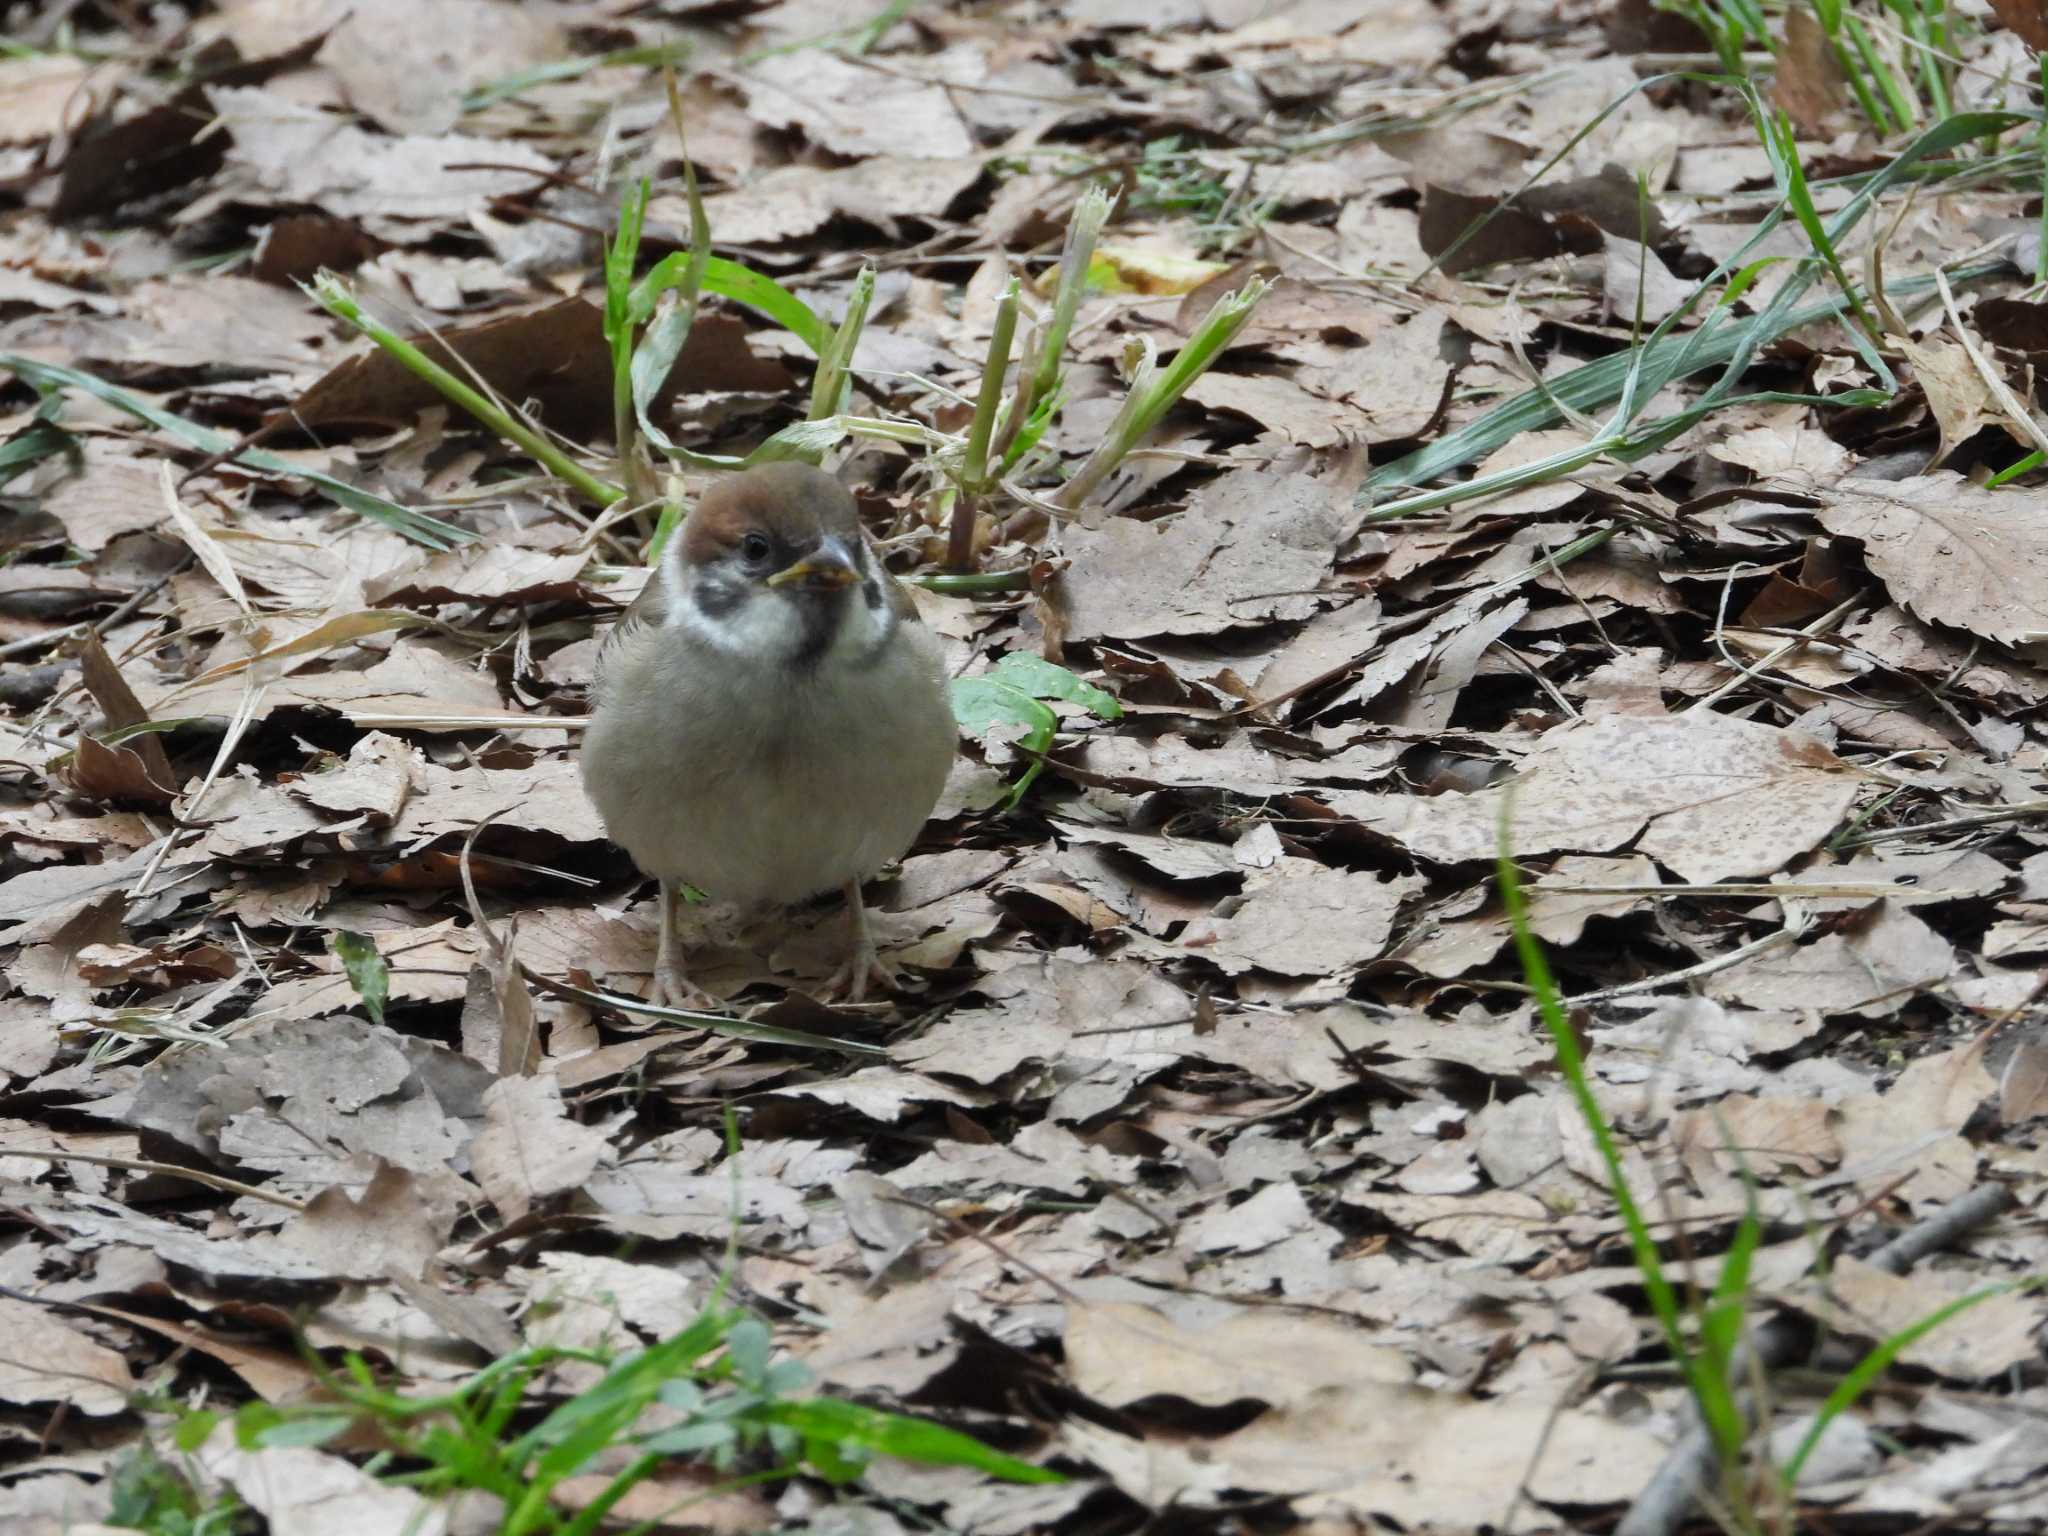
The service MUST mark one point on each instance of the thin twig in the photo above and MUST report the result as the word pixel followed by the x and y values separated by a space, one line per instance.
pixel 168 1170
pixel 961 1229
pixel 1823 890
pixel 1794 927
pixel 1802 638
pixel 97 626
pixel 1991 818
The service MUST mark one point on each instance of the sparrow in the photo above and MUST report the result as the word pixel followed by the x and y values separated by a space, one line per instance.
pixel 770 719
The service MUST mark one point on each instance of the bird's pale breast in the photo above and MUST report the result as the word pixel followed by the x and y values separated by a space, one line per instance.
pixel 758 785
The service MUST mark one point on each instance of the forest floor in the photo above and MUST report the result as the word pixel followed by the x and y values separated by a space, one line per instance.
pixel 1216 1154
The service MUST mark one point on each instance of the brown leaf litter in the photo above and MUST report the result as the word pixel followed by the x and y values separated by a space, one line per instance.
pixel 1214 1153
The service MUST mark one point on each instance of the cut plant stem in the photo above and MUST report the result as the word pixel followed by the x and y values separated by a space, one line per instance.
pixel 974 476
pixel 1154 391
pixel 1796 924
pixel 833 380
pixel 621 253
pixel 679 278
pixel 1090 214
pixel 975 472
pixel 330 294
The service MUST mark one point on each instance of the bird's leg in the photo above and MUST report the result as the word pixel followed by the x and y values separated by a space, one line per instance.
pixel 671 988
pixel 863 965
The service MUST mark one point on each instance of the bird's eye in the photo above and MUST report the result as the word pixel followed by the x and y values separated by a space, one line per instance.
pixel 755 549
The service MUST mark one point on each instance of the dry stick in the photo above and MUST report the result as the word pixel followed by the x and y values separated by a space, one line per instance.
pixel 518 1039
pixel 960 1228
pixel 97 626
pixel 1743 674
pixel 1662 1507
pixel 1868 890
pixel 1564 705
pixel 2018 811
pixel 164 1170
pixel 238 725
pixel 1793 929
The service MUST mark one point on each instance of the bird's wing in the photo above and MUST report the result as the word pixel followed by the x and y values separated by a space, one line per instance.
pixel 645 615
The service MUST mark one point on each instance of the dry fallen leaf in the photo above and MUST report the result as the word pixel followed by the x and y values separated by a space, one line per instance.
pixel 1303 922
pixel 1217 1096
pixel 529 1149
pixel 1241 554
pixel 851 108
pixel 44 1360
pixel 1951 552
pixel 1122 1354
pixel 287 153
pixel 1706 796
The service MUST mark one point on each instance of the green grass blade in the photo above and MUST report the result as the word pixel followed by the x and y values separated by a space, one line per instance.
pixel 2014 471
pixel 417 526
pixel 658 350
pixel 1901 108
pixel 1873 1365
pixel 716 1023
pixel 876 1433
pixel 743 285
pixel 330 295
pixel 664 529
pixel 974 473
pixel 621 255
pixel 36 442
pixel 594 1514
pixel 1091 212
pixel 1718 342
pixel 1782 150
pixel 1596 384
pixel 1711 1389
pixel 2041 137
pixel 1933 75
pixel 832 385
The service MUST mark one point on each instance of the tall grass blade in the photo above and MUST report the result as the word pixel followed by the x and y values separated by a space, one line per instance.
pixel 1720 341
pixel 1866 1371
pixel 1711 1390
pixel 417 526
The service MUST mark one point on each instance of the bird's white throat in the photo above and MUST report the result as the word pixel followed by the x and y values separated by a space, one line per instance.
pixel 771 629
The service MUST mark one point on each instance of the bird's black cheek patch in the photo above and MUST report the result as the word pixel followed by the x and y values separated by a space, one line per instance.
pixel 871 589
pixel 718 598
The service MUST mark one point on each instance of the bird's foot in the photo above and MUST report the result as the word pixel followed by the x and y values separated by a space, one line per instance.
pixel 864 966
pixel 672 989
pixel 863 969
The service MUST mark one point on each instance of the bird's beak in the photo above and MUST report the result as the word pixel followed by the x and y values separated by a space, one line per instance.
pixel 828 567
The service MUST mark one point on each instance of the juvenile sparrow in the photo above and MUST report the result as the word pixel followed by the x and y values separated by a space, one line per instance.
pixel 771 718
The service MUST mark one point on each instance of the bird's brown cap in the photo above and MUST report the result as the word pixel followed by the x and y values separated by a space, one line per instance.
pixel 794 504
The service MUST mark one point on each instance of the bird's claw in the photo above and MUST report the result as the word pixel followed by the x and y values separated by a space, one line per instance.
pixel 672 989
pixel 863 968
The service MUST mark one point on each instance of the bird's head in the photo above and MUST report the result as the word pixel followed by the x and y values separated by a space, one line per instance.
pixel 771 563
